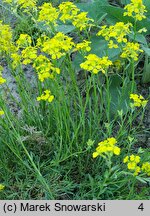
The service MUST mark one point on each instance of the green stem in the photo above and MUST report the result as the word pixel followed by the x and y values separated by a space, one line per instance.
pixel 133 75
pixel 107 177
pixel 134 28
pixel 108 98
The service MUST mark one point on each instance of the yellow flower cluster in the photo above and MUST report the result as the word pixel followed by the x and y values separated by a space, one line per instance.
pixel 81 21
pixel 117 64
pixel 95 64
pixel 68 11
pixel 131 51
pixel 132 162
pixel 83 46
pixel 45 68
pixel 23 41
pixel 6 45
pixel 119 31
pixel 106 147
pixel 1 112
pixel 135 9
pixel 2 80
pixel 25 4
pixel 142 30
pixel 28 55
pixel 8 1
pixel 138 100
pixel 16 59
pixel 146 168
pixel 47 96
pixel 57 46
pixel 48 13
pixel 2 187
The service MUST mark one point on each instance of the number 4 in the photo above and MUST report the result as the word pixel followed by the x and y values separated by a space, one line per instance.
pixel 141 207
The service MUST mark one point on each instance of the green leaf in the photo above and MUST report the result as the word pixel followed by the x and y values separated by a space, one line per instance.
pixel 94 9
pixel 139 38
pixel 99 21
pixel 115 14
pixel 100 48
pixel 147 5
pixel 119 94
pixel 65 28
pixel 146 73
pixel 43 27
pixel 143 180
pixel 147 50
pixel 125 2
pixel 77 61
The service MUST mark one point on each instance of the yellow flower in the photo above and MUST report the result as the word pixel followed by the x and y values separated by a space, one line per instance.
pixel 2 80
pixel 144 103
pixel 1 112
pixel 47 96
pixel 131 50
pixel 27 4
pixel 137 159
pixel 48 13
pixel 24 41
pixel 6 44
pixel 137 170
pixel 107 147
pixel 112 45
pixel 132 157
pixel 138 100
pixel 83 46
pixel 142 30
pixel 95 64
pixel 112 141
pixel 117 32
pixel 8 1
pixel 132 162
pixel 81 21
pixel 117 64
pixel 16 59
pixel 135 9
pixel 146 168
pixel 126 159
pixel 2 187
pixel 95 154
pixel 57 46
pixel 45 68
pixel 68 11
pixel 116 150
pixel 29 54
pixel 41 40
pixel 131 165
